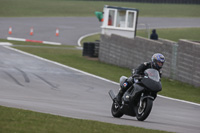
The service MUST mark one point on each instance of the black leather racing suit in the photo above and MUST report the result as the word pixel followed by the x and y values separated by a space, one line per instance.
pixel 130 81
pixel 140 70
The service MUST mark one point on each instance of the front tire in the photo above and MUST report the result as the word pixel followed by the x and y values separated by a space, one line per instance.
pixel 143 112
pixel 115 110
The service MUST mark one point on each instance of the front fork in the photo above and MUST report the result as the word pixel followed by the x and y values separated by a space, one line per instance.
pixel 142 97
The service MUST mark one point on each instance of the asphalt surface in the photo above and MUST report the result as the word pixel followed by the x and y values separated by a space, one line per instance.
pixel 32 83
pixel 72 28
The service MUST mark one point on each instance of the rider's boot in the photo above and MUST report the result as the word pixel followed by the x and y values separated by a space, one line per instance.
pixel 121 92
pixel 119 96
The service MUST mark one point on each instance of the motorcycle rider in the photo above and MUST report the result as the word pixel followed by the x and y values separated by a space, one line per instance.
pixel 157 62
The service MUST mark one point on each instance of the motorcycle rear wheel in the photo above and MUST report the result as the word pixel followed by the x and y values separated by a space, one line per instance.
pixel 115 110
pixel 143 112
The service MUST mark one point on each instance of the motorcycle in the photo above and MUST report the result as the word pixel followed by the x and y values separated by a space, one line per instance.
pixel 137 101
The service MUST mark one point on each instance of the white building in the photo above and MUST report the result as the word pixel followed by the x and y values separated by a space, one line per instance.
pixel 120 21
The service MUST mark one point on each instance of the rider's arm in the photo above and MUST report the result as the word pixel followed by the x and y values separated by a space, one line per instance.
pixel 140 70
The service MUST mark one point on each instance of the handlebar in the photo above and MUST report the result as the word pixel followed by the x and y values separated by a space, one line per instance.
pixel 138 76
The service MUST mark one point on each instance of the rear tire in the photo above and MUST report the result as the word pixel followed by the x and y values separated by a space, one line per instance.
pixel 115 110
pixel 143 112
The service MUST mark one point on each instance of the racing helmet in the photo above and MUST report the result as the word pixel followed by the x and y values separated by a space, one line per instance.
pixel 158 60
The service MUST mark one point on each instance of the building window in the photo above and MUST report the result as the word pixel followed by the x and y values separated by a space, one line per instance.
pixel 111 17
pixel 130 19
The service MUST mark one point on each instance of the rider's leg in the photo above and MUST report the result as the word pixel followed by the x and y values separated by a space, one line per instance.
pixel 123 89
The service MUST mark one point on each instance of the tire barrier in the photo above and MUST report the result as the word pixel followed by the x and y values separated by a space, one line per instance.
pixel 91 49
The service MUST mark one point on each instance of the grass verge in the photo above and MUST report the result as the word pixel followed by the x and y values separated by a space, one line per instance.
pixel 173 34
pixel 23 121
pixel 52 8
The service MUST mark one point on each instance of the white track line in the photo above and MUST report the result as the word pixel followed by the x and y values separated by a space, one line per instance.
pixel 28 40
pixel 5 44
pixel 74 69
pixel 79 40
pixel 16 39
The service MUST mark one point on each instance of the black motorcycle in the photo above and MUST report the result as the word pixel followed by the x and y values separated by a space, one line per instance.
pixel 138 100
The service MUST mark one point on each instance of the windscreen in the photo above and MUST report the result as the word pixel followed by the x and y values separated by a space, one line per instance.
pixel 152 74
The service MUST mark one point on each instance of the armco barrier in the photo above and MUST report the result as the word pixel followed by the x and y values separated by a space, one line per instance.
pixel 130 53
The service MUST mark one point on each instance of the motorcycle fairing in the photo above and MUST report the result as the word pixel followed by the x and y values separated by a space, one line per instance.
pixel 152 85
pixel 151 80
pixel 132 93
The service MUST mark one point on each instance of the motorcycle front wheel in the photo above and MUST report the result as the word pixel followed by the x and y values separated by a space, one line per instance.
pixel 115 110
pixel 143 111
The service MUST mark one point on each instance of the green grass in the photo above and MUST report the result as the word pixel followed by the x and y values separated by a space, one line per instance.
pixel 56 8
pixel 23 121
pixel 91 38
pixel 175 34
pixel 180 90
